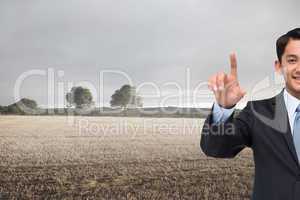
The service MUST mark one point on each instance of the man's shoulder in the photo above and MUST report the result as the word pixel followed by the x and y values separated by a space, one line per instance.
pixel 262 106
pixel 270 101
pixel 262 102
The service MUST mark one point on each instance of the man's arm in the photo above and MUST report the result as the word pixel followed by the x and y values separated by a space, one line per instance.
pixel 228 136
pixel 222 135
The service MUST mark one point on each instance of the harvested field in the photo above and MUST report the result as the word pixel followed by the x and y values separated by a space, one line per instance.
pixel 59 157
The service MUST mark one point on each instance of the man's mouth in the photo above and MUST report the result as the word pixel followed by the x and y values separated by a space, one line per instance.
pixel 296 77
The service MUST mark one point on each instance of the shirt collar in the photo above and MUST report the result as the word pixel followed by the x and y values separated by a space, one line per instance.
pixel 291 102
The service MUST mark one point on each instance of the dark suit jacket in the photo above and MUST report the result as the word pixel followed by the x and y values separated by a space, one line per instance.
pixel 263 125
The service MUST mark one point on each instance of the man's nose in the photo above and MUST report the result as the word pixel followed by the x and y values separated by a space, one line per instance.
pixel 298 67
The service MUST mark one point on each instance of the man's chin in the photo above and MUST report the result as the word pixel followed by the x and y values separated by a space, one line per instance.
pixel 296 92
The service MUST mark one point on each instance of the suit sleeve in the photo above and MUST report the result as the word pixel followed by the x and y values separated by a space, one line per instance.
pixel 227 138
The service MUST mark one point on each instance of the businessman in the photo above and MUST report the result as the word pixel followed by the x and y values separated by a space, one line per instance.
pixel 270 127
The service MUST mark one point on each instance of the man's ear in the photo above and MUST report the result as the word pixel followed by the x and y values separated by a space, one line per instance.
pixel 278 67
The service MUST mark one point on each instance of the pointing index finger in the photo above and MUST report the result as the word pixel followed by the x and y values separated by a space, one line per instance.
pixel 233 65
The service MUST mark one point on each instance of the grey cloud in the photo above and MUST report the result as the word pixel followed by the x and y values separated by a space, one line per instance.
pixel 149 40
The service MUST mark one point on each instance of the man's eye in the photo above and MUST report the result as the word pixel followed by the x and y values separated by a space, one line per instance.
pixel 292 60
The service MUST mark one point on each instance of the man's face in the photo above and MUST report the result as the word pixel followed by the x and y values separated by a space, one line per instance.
pixel 290 67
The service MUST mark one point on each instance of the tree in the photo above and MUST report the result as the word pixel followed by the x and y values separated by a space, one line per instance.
pixel 69 99
pixel 79 97
pixel 24 106
pixel 126 96
pixel 3 109
pixel 29 103
pixel 139 101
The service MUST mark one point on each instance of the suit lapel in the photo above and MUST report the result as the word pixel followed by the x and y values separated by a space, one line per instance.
pixel 282 120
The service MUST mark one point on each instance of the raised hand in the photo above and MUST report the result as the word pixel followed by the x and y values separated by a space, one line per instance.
pixel 226 87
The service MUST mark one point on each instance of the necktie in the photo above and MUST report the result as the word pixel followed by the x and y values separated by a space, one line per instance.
pixel 296 132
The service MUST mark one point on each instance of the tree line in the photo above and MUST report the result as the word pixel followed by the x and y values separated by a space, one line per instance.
pixel 124 102
pixel 81 98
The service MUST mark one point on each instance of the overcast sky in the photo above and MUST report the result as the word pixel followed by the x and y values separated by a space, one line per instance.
pixel 157 41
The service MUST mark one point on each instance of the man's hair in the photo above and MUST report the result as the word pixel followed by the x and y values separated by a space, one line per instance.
pixel 284 39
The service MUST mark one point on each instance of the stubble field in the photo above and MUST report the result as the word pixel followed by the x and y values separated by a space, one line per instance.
pixel 60 157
